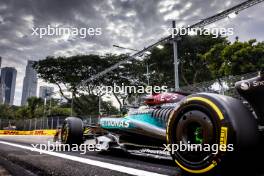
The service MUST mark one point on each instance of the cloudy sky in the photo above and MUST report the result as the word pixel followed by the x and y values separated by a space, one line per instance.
pixel 130 23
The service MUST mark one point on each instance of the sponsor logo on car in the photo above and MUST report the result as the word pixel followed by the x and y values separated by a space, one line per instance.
pixel 258 83
pixel 112 123
pixel 245 85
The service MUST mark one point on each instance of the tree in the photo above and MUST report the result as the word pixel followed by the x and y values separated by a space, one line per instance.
pixel 192 67
pixel 89 105
pixel 33 103
pixel 59 111
pixel 6 112
pixel 235 59
pixel 214 60
pixel 69 72
pixel 22 113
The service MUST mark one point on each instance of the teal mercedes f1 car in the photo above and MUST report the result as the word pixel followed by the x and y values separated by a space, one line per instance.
pixel 211 127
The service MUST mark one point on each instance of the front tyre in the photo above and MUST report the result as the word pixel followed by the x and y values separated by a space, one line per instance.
pixel 72 131
pixel 216 124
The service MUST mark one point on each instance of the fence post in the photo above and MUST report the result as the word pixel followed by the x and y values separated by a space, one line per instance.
pixel 29 124
pixel 52 123
pixel 35 123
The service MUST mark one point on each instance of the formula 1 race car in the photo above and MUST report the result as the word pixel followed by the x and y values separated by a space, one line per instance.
pixel 169 119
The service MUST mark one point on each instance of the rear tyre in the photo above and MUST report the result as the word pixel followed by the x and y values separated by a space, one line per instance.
pixel 219 122
pixel 72 131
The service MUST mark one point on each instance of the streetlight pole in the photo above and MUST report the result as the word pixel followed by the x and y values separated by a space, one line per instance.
pixel 72 104
pixel 148 73
pixel 175 57
pixel 50 106
pixel 44 111
pixel 99 106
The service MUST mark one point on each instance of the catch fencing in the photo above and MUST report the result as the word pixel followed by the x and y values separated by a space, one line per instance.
pixel 224 85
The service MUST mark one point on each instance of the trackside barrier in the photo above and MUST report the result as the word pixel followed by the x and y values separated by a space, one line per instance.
pixel 33 132
pixel 50 123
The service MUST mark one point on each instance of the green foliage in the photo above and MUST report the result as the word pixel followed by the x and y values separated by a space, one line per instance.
pixel 89 105
pixel 70 71
pixel 58 111
pixel 33 109
pixel 6 111
pixel 161 66
pixel 33 103
pixel 234 59
pixel 192 67
pixel 22 113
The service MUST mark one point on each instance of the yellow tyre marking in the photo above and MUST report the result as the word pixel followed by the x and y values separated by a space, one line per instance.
pixel 87 131
pixel 167 130
pixel 198 171
pixel 223 137
pixel 209 102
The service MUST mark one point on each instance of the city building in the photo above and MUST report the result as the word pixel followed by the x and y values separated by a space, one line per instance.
pixel 45 92
pixel 8 82
pixel 29 83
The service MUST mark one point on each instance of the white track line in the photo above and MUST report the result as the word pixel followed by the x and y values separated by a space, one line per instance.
pixel 105 165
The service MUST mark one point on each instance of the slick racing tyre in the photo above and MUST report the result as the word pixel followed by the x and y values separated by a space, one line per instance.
pixel 72 131
pixel 218 125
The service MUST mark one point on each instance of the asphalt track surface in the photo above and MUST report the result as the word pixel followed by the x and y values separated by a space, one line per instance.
pixel 18 158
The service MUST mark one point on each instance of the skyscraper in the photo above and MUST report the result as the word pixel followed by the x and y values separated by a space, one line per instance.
pixel 45 91
pixel 29 83
pixel 8 82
